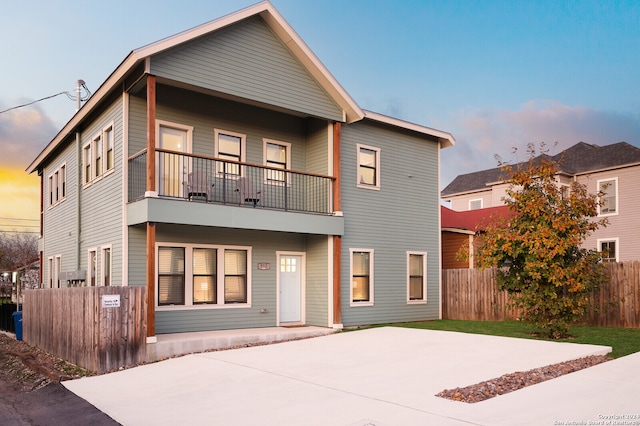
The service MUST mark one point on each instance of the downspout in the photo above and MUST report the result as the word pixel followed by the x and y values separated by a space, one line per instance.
pixel 79 189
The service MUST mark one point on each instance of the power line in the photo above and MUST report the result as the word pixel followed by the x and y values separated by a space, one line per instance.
pixel 17 218
pixel 31 103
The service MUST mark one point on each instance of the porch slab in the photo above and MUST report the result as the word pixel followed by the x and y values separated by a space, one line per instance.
pixel 170 345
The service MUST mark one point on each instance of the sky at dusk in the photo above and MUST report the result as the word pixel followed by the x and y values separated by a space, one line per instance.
pixel 495 74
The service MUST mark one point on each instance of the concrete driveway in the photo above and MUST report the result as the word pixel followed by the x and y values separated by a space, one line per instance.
pixel 383 376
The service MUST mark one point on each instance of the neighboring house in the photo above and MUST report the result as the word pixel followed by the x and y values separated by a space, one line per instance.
pixel 226 170
pixel 613 171
pixel 459 229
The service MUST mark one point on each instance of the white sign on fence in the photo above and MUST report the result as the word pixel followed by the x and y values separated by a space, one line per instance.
pixel 111 301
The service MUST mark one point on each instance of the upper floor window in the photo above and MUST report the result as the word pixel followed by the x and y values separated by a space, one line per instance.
pixel 58 185
pixel 361 277
pixel 98 155
pixel 609 249
pixel 608 193
pixel 416 277
pixel 229 146
pixel 368 167
pixel 475 204
pixel 278 155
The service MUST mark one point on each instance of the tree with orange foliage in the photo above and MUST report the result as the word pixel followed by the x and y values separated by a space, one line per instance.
pixel 537 251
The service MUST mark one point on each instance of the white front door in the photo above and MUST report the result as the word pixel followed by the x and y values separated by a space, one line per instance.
pixel 290 276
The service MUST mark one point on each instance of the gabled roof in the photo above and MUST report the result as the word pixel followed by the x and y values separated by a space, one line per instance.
pixel 471 220
pixel 445 139
pixel 272 18
pixel 579 159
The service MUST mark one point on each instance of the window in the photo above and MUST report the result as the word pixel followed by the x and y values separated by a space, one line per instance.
pixel 609 249
pixel 565 191
pixel 416 277
pixel 172 168
pixel 171 276
pixel 97 159
pixel 229 146
pixel 57 268
pixel 368 167
pixel 203 276
pixel 50 272
pixel 276 154
pixel 92 267
pixel 106 266
pixel 108 147
pixel 86 161
pixel 97 155
pixel 361 277
pixel 608 193
pixel 57 185
pixel 475 204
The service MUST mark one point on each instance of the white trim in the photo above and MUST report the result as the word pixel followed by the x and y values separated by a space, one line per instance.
pixel 49 272
pixel 445 139
pixel 369 302
pixel 56 177
pixel 608 240
pixel 89 267
pixel 616 195
pixel 439 242
pixel 188 277
pixel 359 184
pixel 303 284
pixel 424 278
pixel 287 165
pixel 103 265
pixel 243 145
pixel 112 128
pixel 187 150
pixel 57 268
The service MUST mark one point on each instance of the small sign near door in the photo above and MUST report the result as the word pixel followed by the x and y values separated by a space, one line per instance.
pixel 264 266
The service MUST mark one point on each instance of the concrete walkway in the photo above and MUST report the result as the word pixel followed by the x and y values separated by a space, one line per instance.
pixel 383 376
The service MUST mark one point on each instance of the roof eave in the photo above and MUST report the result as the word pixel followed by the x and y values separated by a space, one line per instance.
pixel 445 138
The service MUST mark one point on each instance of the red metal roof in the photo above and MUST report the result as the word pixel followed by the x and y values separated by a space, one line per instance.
pixel 472 220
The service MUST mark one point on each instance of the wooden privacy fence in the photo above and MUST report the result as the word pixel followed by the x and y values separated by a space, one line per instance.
pixel 472 294
pixel 98 328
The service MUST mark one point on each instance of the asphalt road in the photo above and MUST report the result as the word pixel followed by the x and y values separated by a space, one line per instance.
pixel 52 405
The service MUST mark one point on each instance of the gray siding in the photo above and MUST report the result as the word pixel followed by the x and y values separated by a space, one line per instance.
pixel 60 220
pixel 263 286
pixel 317 281
pixel 137 125
pixel 247 60
pixel 317 147
pixel 402 216
pixel 102 210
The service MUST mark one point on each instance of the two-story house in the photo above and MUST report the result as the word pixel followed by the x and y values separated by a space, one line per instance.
pixel 225 169
pixel 613 171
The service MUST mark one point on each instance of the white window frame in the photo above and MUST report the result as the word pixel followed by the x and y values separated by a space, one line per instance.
pixel 287 165
pixel 57 185
pixel 617 207
pixel 188 277
pixel 609 240
pixel 106 131
pixel 92 268
pixel 376 185
pixel 87 153
pixel 475 200
pixel 50 272
pixel 57 268
pixel 243 149
pixel 424 277
pixel 369 302
pixel 104 267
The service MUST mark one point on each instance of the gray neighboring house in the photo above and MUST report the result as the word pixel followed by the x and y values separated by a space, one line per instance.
pixel 225 169
pixel 613 169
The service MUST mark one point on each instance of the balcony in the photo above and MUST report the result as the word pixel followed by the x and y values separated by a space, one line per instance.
pixel 259 194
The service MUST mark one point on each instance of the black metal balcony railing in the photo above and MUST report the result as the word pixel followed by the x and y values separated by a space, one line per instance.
pixel 206 179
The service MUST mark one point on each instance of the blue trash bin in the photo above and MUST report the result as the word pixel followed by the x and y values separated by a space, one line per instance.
pixel 17 322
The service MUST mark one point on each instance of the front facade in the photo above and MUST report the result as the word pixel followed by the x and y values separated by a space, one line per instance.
pixel 228 172
pixel 613 171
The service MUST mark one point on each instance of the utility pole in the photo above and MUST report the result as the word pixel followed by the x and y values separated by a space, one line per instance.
pixel 79 85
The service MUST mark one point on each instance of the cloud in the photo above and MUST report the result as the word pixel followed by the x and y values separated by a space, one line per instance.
pixel 481 134
pixel 24 133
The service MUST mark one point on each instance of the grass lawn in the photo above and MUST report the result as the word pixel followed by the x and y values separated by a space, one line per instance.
pixel 624 341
